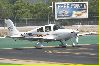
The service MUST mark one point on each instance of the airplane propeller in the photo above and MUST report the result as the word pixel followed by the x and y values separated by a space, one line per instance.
pixel 77 39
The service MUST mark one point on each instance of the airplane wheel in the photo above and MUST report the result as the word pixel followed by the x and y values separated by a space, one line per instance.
pixel 62 46
pixel 39 45
pixel 73 46
pixel 76 46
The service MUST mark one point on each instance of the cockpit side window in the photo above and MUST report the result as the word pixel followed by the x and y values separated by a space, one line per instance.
pixel 56 27
pixel 47 28
pixel 40 29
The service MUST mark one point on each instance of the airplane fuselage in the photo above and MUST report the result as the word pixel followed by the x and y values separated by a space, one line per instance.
pixel 49 32
pixel 60 34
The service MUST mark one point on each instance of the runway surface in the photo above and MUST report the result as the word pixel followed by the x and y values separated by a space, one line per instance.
pixel 86 54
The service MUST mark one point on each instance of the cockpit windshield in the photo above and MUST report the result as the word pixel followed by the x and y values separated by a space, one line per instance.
pixel 56 27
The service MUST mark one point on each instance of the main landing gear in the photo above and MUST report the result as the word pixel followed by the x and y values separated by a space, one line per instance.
pixel 62 45
pixel 39 44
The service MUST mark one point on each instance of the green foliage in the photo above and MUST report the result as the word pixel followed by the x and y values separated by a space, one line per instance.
pixel 93 6
pixel 40 10
pixel 5 9
pixel 21 9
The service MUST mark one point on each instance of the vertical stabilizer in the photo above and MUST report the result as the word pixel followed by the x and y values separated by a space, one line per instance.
pixel 12 31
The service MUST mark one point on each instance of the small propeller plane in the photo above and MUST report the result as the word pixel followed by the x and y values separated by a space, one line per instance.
pixel 47 33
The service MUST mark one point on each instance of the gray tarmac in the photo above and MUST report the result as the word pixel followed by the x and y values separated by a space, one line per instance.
pixel 85 54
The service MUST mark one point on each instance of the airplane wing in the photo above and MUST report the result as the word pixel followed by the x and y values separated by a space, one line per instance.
pixel 45 38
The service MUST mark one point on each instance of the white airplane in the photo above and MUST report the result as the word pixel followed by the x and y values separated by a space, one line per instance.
pixel 51 32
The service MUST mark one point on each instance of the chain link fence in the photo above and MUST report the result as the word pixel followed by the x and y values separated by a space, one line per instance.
pixel 41 22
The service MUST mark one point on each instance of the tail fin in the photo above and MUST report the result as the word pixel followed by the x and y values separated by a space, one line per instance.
pixel 11 28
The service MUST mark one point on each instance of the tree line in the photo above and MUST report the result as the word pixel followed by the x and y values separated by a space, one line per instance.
pixel 20 9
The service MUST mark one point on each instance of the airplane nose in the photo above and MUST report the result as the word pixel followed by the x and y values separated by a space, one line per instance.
pixel 75 32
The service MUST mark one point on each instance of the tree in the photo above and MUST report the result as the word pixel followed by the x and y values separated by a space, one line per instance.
pixel 40 10
pixel 5 9
pixel 21 10
pixel 93 6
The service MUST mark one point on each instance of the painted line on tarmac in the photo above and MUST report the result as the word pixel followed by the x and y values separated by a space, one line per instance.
pixel 19 61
